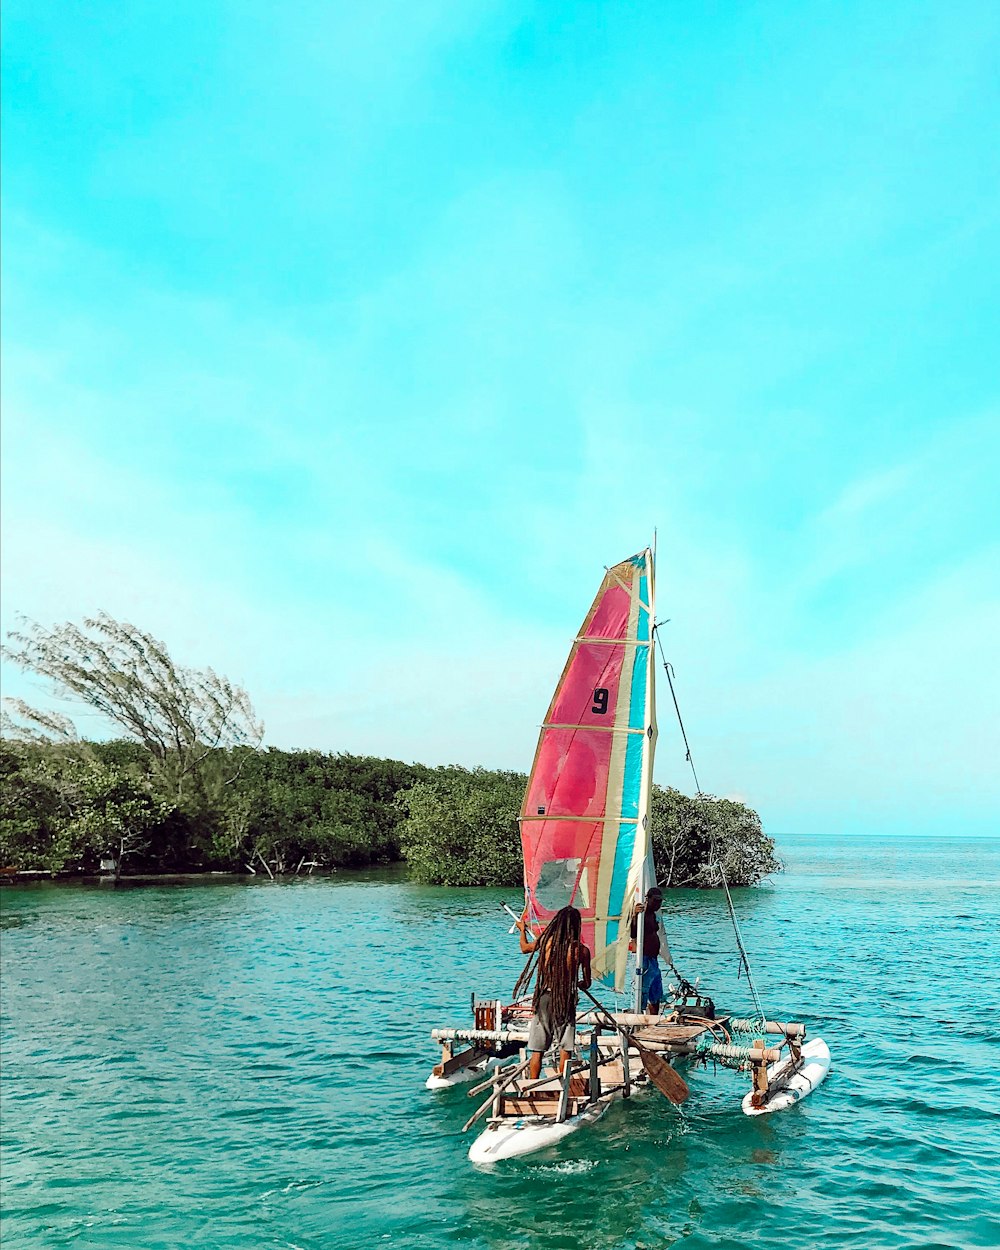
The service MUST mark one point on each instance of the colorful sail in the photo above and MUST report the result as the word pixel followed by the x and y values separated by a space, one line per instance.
pixel 584 823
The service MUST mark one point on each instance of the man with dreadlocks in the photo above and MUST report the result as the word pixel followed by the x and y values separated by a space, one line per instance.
pixel 562 964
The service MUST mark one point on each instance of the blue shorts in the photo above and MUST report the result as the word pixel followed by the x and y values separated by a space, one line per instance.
pixel 652 983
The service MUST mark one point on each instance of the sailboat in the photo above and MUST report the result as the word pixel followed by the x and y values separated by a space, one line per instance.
pixel 585 836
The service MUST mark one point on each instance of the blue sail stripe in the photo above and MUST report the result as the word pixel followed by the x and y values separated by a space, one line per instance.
pixel 637 695
pixel 632 781
pixel 642 627
pixel 623 862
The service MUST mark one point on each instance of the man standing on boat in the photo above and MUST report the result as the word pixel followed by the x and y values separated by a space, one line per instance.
pixel 562 962
pixel 654 944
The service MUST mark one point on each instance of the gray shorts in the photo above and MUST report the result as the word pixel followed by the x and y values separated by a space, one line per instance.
pixel 543 1030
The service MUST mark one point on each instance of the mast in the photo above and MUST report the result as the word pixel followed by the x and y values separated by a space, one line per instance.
pixel 640 934
pixel 646 875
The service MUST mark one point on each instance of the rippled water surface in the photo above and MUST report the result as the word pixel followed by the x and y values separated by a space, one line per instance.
pixel 222 1065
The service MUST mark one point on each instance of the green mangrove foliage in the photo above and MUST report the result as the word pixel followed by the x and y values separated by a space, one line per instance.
pixel 293 806
pixel 60 810
pixel 187 786
pixel 65 807
pixel 460 828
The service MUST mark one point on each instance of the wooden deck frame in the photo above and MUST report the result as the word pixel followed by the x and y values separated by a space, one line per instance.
pixel 608 1066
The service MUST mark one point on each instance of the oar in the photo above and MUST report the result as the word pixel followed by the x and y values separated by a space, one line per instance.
pixel 514 916
pixel 667 1079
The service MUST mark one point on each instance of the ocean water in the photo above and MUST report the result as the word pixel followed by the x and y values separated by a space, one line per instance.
pixel 225 1065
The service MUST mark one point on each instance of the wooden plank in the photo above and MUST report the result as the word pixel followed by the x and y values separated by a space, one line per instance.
pixel 667 1033
pixel 533 1105
pixel 455 1063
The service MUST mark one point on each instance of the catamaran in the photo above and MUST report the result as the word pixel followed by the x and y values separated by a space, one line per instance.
pixel 585 836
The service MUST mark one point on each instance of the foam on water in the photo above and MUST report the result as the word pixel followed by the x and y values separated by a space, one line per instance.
pixel 242 1066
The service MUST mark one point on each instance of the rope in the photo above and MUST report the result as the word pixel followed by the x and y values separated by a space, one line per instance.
pixel 716 858
pixel 668 668
pixel 739 936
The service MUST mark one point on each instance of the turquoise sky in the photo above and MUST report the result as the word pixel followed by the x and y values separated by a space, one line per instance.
pixel 345 344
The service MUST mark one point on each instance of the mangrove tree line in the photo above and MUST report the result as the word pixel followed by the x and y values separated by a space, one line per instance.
pixel 186 786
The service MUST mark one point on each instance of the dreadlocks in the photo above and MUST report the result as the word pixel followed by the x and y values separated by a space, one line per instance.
pixel 555 959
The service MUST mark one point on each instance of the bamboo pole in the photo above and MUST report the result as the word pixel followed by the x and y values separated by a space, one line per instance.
pixel 479 1035
pixel 564 1094
pixel 626 1067
pixel 769 1026
pixel 718 1050
pixel 595 1074
pixel 590 1016
pixel 488 1103
pixel 751 1054
pixel 499 1074
pixel 547 1080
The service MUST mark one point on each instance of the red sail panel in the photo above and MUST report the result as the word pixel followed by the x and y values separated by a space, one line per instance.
pixel 580 816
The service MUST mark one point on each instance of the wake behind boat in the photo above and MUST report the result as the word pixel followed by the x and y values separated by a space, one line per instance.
pixel 585 837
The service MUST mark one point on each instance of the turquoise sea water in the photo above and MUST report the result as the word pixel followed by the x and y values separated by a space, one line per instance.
pixel 222 1065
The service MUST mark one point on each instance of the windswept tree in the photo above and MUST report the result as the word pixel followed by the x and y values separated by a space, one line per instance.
pixel 180 715
pixel 692 837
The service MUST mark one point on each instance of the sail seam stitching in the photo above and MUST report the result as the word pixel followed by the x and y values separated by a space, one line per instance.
pixel 589 820
pixel 612 642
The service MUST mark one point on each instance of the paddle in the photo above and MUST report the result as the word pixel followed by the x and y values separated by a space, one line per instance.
pixel 667 1080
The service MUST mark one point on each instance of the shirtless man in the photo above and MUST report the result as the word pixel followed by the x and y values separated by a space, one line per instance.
pixel 562 962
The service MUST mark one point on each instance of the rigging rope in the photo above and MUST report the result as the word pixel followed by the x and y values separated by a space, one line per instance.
pixel 668 669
